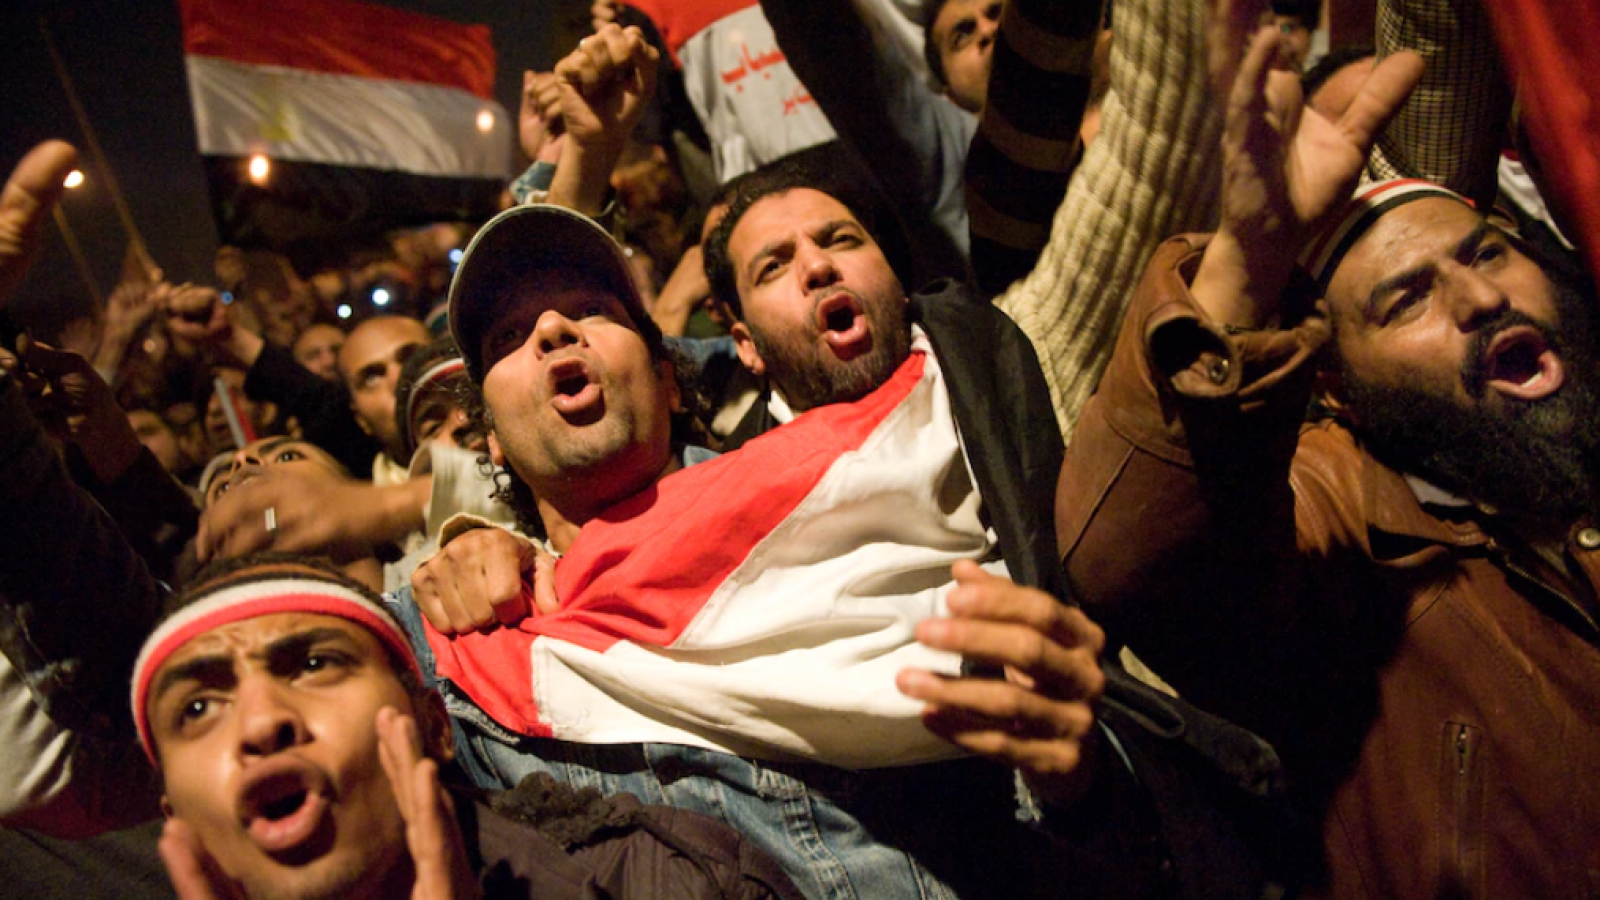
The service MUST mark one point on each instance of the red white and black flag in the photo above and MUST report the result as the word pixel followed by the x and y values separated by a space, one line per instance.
pixel 366 117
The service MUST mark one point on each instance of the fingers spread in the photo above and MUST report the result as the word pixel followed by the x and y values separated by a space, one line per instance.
pixel 1381 96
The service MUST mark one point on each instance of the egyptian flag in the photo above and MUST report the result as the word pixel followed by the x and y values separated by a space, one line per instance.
pixel 368 118
pixel 760 603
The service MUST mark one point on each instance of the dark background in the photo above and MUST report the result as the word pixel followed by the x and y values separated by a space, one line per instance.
pixel 125 62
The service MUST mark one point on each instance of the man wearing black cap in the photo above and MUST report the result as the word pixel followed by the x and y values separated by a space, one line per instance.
pixel 1401 596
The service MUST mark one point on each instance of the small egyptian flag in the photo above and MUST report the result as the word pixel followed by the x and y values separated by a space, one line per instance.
pixel 323 120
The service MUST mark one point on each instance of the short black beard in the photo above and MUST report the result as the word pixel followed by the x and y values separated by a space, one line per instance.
pixel 807 380
pixel 1537 458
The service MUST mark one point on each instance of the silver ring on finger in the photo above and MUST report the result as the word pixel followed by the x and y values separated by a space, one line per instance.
pixel 272 519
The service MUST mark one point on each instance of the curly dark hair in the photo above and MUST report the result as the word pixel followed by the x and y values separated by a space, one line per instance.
pixel 806 171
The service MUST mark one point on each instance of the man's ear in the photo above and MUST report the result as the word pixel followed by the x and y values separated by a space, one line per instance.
pixel 746 346
pixel 1329 389
pixel 433 727
pixel 496 455
pixel 669 379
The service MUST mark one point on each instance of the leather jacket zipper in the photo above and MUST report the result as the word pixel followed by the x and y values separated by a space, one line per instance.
pixel 1461 811
pixel 1565 599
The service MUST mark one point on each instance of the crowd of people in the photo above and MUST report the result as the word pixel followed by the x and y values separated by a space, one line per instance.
pixel 881 449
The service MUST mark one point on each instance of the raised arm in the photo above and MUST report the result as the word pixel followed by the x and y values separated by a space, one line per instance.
pixel 75 599
pixel 605 85
pixel 913 140
pixel 1027 146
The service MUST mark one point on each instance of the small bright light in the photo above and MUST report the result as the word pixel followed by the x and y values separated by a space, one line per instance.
pixel 455 256
pixel 73 179
pixel 485 121
pixel 344 311
pixel 259 169
pixel 380 297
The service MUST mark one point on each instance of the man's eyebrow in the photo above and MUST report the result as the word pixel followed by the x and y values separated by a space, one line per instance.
pixel 1411 276
pixel 204 669
pixel 274 444
pixel 769 249
pixel 293 646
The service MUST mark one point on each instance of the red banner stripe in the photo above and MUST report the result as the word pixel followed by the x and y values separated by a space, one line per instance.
pixel 342 37
pixel 679 21
pixel 643 570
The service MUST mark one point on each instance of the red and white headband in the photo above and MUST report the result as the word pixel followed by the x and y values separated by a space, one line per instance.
pixel 252 600
pixel 1322 256
pixel 439 371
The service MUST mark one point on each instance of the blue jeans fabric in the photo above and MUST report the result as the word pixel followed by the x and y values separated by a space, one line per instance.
pixel 798 815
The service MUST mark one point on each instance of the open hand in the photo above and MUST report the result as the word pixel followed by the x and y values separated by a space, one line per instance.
pixel 1286 168
pixel 1040 717
pixel 438 852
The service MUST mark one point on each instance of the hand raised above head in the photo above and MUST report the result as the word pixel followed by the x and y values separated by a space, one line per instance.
pixel 29 195
pixel 1286 168
pixel 80 408
pixel 539 121
pixel 606 84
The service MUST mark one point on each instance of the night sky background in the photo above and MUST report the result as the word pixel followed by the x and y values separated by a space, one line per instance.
pixel 125 62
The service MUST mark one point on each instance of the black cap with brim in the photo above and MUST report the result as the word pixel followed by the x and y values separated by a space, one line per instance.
pixel 518 244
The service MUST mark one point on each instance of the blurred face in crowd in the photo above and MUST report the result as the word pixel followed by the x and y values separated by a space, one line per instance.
pixel 574 392
pixel 265 731
pixel 159 438
pixel 964 32
pixel 1297 47
pixel 824 314
pixel 1466 362
pixel 261 416
pixel 186 423
pixel 370 362
pixel 258 456
pixel 318 350
pixel 437 418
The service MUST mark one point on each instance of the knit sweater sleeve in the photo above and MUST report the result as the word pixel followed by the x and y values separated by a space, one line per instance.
pixel 1154 171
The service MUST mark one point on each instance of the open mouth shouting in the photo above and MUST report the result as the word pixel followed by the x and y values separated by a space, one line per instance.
pixel 284 809
pixel 573 386
pixel 1521 364
pixel 843 325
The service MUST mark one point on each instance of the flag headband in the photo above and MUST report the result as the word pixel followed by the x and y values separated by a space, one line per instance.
pixel 252 600
pixel 1321 258
pixel 440 370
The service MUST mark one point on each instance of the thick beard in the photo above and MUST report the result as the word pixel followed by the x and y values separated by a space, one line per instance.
pixel 810 376
pixel 1532 457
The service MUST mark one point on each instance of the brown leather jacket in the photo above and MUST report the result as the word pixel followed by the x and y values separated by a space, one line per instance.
pixel 1434 691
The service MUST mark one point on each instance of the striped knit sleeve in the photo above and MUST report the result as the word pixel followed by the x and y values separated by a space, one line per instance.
pixel 1154 171
pixel 1027 142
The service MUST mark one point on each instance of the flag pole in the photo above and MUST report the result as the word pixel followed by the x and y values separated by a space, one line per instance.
pixel 93 144
pixel 81 261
